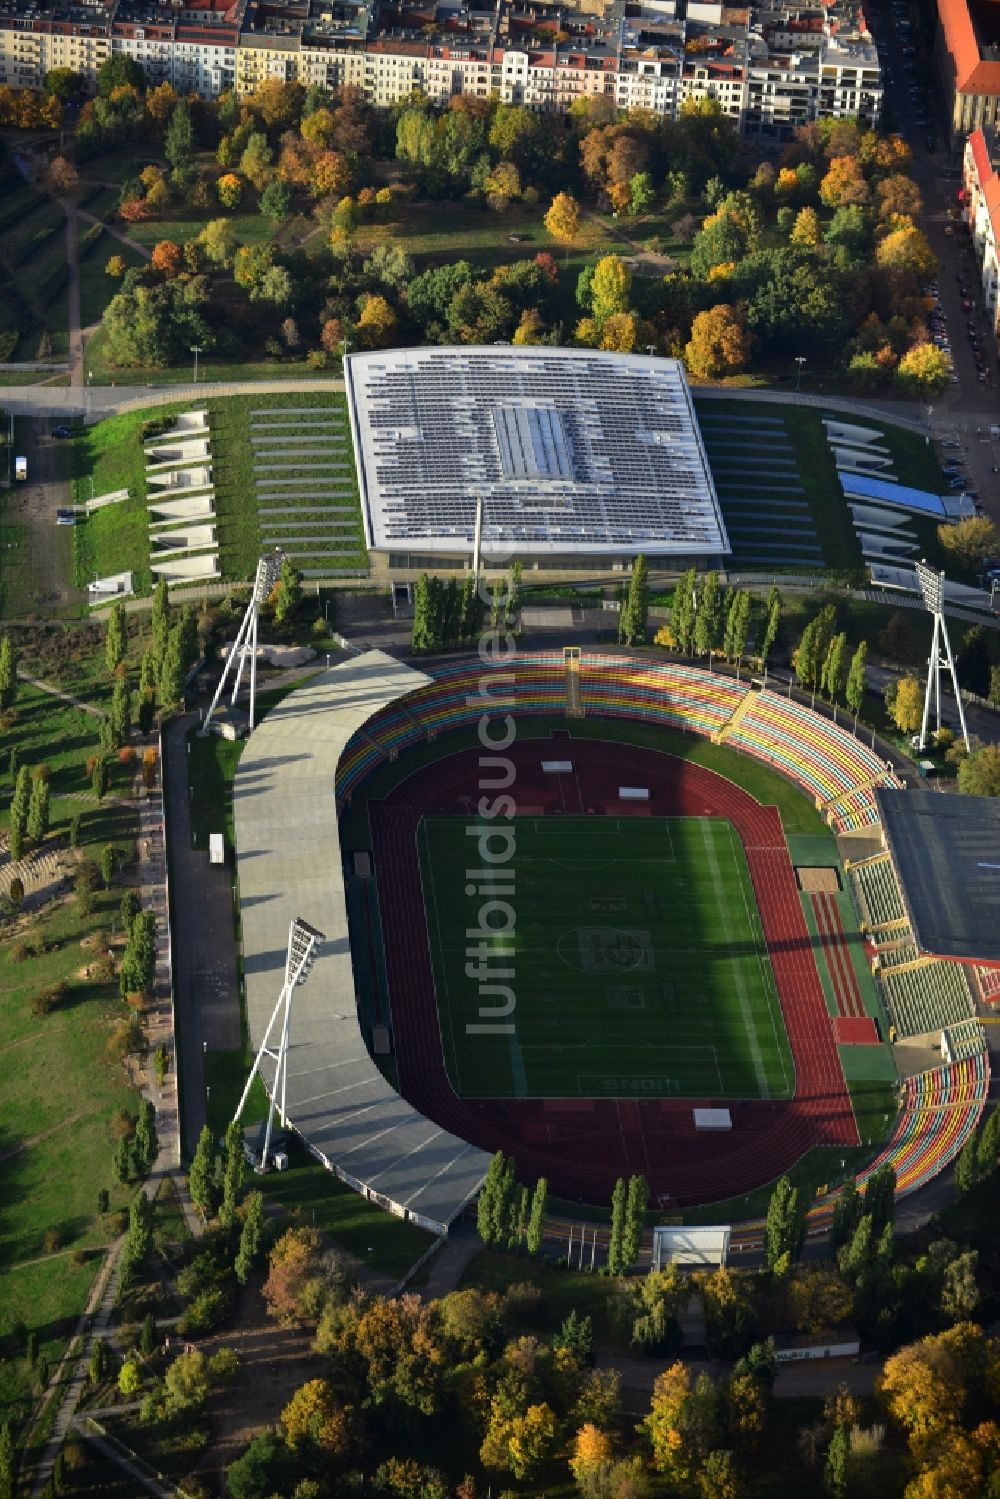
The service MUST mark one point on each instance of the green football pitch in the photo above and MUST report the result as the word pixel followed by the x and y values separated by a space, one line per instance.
pixel 639 963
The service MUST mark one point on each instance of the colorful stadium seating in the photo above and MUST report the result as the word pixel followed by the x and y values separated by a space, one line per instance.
pixel 939 1111
pixel 826 760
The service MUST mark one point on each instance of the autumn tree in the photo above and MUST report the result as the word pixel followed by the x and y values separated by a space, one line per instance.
pixel 591 1453
pixel 923 370
pixel 294 1275
pixel 904 700
pixel 517 1442
pixel 719 343
pixel 806 229
pixel 979 772
pixel 906 249
pixel 562 220
pixel 63 176
pixel 928 1385
pixel 229 190
pixel 898 196
pixel 376 325
pixel 167 258
pixel 844 183
pixel 971 540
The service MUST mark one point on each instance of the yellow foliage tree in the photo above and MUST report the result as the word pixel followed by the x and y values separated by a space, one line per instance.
pixel 906 249
pixel 610 287
pixel 898 194
pixel 377 323
pixel 819 1299
pixel 619 332
pixel 923 370
pixel 518 1443
pixel 309 1408
pixel 925 1386
pixel 116 266
pixel 971 540
pixel 907 705
pixel 843 183
pixel 591 1450
pixel 664 1424
pixel 786 184
pixel 563 219
pixel 719 343
pixel 666 637
pixel 806 230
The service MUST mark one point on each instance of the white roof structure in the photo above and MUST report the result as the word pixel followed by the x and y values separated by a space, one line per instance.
pixel 572 451
pixel 290 864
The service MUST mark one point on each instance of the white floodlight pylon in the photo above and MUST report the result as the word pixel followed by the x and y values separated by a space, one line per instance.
pixel 245 644
pixel 303 941
pixel 932 588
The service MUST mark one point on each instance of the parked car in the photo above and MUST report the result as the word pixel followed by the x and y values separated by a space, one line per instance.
pixel 61 432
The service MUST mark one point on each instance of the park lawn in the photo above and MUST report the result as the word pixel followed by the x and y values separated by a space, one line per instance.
pixel 37 269
pixel 16 583
pixel 109 456
pixel 52 732
pixel 96 286
pixel 377 1238
pixel 102 202
pixel 117 166
pixel 209 370
pixel 249 228
pixel 21 205
pixel 563 1291
pixel 235 491
pixel 53 1182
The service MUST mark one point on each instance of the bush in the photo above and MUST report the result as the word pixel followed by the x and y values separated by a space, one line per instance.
pixel 51 1241
pixel 155 426
pixel 19 952
pixel 204 1313
pixel 46 1000
pixel 9 340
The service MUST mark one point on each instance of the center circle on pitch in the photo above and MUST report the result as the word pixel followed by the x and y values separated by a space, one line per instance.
pixel 605 949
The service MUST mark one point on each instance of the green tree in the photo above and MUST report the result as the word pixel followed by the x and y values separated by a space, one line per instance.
pixel 251 1237
pixel 202 1175
pixel 784 1226
pixel 835 668
pixel 6 1462
pixel 161 619
pixel 20 802
pixel 139 1239
pixel 835 1467
pixel 495 1198
pixel 989 1144
pixel 276 202
pixel 683 609
pixel 122 1163
pixel 287 594
pixel 8 674
pixel 616 1263
pixel 233 1176
pixel 967 1166
pixel 130 1379
pixel 635 1220
pixel 632 621
pixel 979 772
pixel 708 616
pixel 116 637
pixel 172 669
pixel 108 857
pixel 854 692
pixel 38 811
pixel 117 71
pixel 120 713
pixel 847 1211
pixel 145 1144
pixel 734 640
pixel 536 1218
pixel 772 619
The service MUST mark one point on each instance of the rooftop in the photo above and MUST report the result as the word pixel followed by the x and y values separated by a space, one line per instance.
pixel 570 450
pixel 947 854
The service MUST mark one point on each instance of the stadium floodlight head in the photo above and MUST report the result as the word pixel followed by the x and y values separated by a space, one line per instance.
pixel 931 583
pixel 245 644
pixel 931 587
pixel 303 942
pixel 268 573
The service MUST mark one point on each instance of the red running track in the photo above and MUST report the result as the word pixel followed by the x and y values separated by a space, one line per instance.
pixel 838 957
pixel 581 1146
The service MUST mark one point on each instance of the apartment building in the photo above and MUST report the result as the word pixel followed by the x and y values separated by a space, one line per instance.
pixel 967 53
pixel 58 34
pixel 771 67
pixel 981 209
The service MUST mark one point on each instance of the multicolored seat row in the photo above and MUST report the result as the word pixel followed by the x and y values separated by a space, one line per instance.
pixel 661 692
pixel 826 760
pixel 940 1109
pixel 452 701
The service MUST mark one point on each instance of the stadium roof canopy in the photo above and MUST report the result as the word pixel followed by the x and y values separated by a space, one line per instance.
pixel 902 497
pixel 947 854
pixel 289 862
pixel 572 452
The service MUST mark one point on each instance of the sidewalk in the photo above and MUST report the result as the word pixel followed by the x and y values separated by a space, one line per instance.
pixel 66 697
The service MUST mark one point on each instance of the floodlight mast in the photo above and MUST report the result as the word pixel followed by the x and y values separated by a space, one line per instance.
pixel 245 644
pixel 932 588
pixel 303 940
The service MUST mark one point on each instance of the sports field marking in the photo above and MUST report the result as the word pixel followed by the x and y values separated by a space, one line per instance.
pixel 670 986
pixel 746 1008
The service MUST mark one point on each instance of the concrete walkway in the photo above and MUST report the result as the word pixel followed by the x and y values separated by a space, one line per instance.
pixel 141 1475
pixel 448 1266
pixel 65 697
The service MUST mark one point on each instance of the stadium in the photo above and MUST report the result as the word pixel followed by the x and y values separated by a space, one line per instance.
pixel 610 914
